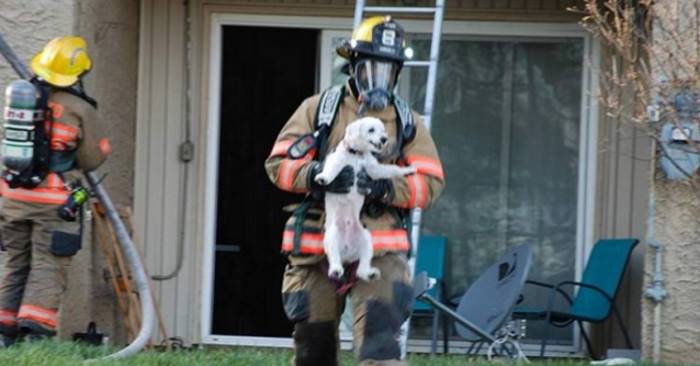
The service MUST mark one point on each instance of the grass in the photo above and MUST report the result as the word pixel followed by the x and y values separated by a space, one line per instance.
pixel 50 353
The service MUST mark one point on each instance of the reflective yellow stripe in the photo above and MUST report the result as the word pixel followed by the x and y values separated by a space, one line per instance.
pixel 288 170
pixel 312 243
pixel 62 135
pixel 53 196
pixel 426 165
pixel 54 181
pixel 36 313
pixel 8 317
pixel 281 147
pixel 417 191
pixel 63 130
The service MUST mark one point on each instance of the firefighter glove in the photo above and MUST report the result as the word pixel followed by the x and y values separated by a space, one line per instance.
pixel 341 183
pixel 374 189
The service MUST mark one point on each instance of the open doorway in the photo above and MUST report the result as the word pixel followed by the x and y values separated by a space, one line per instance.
pixel 265 74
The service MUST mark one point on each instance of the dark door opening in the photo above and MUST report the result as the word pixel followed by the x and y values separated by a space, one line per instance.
pixel 266 73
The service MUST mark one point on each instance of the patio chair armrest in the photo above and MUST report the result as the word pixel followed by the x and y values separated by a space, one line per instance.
pixel 538 283
pixel 547 285
pixel 441 287
pixel 585 285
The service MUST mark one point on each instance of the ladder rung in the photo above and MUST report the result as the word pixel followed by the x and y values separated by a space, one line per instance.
pixel 418 63
pixel 398 9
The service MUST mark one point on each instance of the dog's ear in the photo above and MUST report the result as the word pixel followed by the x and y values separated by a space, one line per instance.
pixel 352 132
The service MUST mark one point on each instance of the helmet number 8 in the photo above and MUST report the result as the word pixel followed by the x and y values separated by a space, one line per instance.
pixel 389 37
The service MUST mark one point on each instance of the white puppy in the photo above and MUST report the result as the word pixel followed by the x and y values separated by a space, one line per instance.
pixel 346 240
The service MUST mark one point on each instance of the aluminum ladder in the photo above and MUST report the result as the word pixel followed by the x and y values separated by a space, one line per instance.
pixel 431 64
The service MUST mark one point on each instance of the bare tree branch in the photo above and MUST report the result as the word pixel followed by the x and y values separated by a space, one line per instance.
pixel 652 55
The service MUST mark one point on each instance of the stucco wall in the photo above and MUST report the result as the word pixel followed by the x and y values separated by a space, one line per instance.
pixel 111 30
pixel 27 25
pixel 676 217
pixel 677 228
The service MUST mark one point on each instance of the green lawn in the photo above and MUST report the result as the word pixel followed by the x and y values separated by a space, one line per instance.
pixel 58 354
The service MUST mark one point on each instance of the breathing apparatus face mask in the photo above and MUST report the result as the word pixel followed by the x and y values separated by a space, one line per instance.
pixel 375 81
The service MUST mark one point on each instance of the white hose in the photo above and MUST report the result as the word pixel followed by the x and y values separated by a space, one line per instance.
pixel 138 273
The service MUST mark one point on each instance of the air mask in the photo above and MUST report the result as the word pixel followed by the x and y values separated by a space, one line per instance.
pixel 375 81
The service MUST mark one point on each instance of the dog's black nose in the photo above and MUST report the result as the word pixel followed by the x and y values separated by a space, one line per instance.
pixel 383 140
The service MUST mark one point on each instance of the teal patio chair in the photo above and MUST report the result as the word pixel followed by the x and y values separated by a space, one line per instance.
pixel 431 259
pixel 595 300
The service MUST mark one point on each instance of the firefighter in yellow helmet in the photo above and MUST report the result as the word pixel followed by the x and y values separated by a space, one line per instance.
pixel 312 300
pixel 50 134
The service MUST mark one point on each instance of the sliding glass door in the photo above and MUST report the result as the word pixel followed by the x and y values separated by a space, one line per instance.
pixel 508 126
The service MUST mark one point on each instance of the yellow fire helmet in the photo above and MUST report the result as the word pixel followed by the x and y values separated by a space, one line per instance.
pixel 62 61
pixel 378 36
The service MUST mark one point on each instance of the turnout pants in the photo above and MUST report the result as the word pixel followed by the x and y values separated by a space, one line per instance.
pixel 379 308
pixel 39 246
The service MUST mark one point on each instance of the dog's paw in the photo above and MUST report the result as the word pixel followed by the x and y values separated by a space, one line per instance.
pixel 321 179
pixel 369 274
pixel 335 272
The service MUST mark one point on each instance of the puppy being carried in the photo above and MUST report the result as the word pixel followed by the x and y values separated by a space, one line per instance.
pixel 346 240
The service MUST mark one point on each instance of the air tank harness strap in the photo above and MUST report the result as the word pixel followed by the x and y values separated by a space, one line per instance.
pixel 299 216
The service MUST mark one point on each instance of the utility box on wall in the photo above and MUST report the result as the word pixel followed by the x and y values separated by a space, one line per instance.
pixel 679 139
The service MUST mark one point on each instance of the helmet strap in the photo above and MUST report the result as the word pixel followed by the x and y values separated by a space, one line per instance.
pixel 353 88
pixel 78 89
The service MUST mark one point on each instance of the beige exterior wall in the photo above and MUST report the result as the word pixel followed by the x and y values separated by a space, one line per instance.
pixel 675 214
pixel 27 26
pixel 677 229
pixel 111 30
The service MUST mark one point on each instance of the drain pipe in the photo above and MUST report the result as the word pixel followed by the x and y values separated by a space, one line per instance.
pixel 656 291
pixel 186 151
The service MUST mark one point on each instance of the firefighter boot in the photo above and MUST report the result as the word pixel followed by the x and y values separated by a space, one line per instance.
pixel 315 344
pixel 34 331
pixel 7 341
pixel 8 335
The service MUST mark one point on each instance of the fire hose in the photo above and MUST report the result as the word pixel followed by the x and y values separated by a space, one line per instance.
pixel 127 245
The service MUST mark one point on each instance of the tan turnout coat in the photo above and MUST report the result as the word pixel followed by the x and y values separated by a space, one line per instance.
pixel 389 233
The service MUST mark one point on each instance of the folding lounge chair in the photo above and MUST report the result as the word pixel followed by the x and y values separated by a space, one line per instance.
pixel 484 311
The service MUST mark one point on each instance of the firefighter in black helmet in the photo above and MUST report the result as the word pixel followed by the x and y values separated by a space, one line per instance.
pixel 376 52
pixel 313 301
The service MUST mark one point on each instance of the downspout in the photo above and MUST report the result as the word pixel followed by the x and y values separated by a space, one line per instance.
pixel 656 291
pixel 186 151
